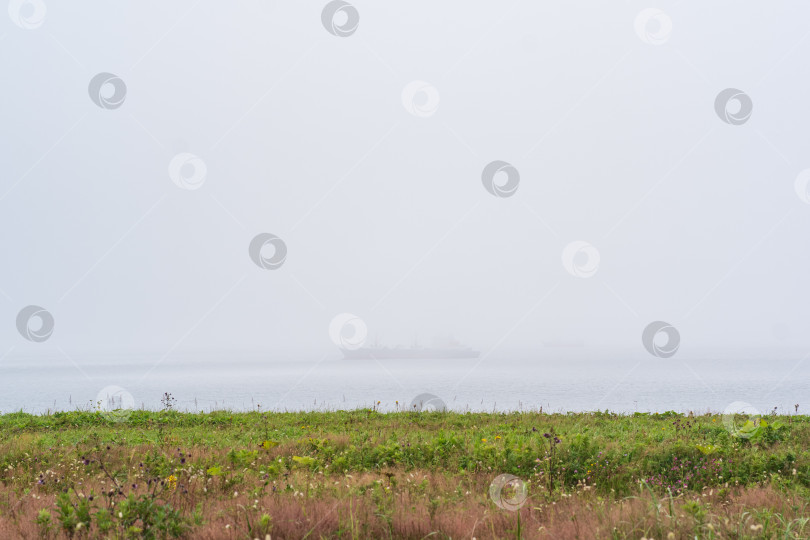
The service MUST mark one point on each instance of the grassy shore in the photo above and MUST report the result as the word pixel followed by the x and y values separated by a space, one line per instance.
pixel 364 474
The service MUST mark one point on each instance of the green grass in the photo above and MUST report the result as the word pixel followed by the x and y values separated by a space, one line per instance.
pixel 418 472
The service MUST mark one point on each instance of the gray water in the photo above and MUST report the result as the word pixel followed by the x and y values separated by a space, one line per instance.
pixel 554 380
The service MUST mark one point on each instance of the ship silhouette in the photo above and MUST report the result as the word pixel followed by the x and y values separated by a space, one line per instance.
pixel 441 348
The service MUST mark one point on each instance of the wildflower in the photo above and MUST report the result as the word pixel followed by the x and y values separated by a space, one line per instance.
pixel 497 437
pixel 483 440
pixel 171 481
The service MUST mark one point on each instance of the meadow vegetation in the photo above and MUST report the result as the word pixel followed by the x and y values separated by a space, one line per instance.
pixel 366 474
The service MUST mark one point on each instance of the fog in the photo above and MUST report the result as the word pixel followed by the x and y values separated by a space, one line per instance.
pixel 364 153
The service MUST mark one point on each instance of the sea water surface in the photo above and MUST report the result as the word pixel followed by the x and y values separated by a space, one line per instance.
pixel 554 380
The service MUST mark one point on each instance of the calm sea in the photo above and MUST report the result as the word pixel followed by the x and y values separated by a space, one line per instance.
pixel 556 380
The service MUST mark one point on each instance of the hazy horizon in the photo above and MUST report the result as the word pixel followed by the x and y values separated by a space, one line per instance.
pixel 188 177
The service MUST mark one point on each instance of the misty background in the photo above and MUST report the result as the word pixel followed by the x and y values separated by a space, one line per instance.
pixel 305 136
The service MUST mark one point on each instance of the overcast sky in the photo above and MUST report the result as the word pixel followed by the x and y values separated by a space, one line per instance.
pixel 363 152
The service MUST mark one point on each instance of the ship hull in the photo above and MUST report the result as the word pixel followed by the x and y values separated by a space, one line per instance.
pixel 407 354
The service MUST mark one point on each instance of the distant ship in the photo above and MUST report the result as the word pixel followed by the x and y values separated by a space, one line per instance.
pixel 441 349
pixel 561 342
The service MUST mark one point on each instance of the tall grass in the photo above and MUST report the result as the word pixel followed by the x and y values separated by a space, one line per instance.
pixel 366 474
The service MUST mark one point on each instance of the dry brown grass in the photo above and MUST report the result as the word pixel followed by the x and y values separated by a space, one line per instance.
pixel 321 506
